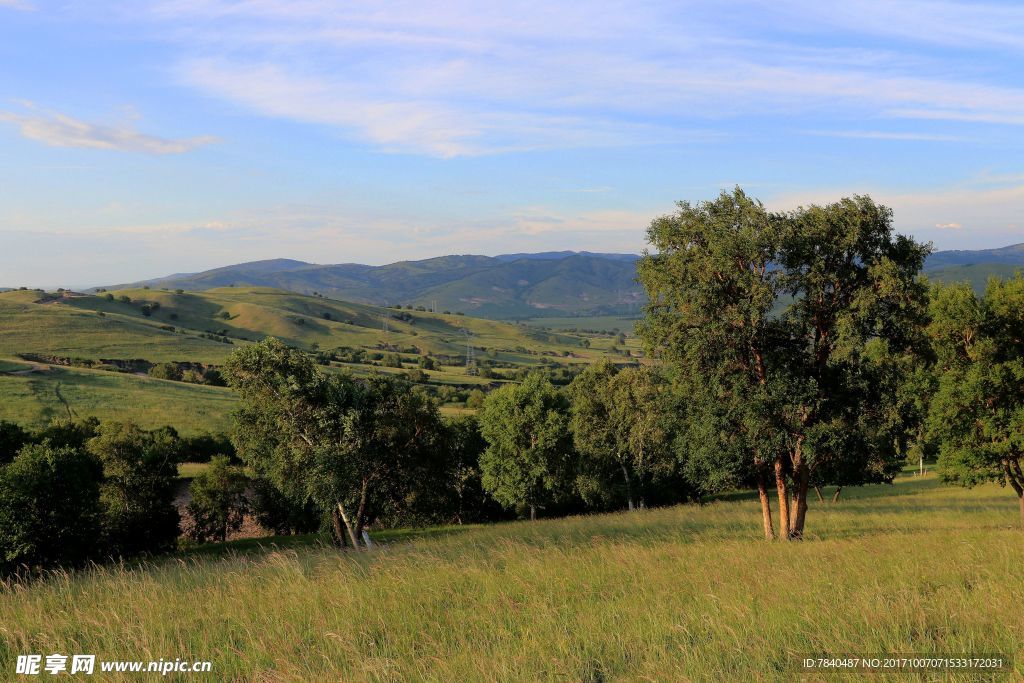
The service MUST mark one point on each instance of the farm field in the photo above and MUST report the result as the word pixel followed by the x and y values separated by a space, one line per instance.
pixel 683 593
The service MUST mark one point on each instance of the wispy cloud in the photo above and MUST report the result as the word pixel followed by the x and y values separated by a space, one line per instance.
pixel 948 226
pixel 22 5
pixel 59 130
pixel 887 135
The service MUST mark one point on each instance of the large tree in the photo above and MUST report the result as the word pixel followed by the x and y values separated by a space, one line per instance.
pixel 775 324
pixel 978 411
pixel 527 460
pixel 351 447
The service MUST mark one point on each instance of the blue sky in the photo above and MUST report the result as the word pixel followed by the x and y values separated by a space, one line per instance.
pixel 143 138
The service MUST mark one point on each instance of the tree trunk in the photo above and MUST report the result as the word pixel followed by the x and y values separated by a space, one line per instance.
pixel 783 494
pixel 629 486
pixel 766 506
pixel 835 498
pixel 533 513
pixel 361 510
pixel 803 477
pixel 817 491
pixel 348 527
pixel 339 532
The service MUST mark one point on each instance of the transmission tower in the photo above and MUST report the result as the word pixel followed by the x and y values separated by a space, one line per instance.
pixel 470 360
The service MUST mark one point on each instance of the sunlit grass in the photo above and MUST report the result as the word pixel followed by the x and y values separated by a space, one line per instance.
pixel 685 593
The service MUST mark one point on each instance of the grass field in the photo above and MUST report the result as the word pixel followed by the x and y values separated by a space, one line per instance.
pixel 604 323
pixel 681 594
pixel 93 328
pixel 35 399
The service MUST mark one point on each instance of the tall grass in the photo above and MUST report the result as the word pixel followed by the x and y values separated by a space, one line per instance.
pixel 687 593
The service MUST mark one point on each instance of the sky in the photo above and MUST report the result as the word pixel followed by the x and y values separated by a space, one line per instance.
pixel 139 139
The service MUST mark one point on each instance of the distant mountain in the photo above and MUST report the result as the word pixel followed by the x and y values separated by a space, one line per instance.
pixel 510 286
pixel 1011 255
pixel 502 287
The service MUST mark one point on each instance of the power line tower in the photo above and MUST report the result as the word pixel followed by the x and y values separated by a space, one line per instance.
pixel 470 359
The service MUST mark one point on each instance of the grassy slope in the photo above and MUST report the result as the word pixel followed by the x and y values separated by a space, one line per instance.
pixel 73 327
pixel 687 593
pixel 37 398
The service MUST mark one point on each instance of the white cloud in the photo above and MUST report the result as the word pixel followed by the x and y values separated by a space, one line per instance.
pixel 22 5
pixel 60 130
pixel 948 226
pixel 465 78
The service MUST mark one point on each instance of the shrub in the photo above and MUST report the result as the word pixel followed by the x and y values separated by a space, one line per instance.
pixel 218 503
pixel 166 371
pixel 49 508
pixel 12 439
pixel 277 513
pixel 140 472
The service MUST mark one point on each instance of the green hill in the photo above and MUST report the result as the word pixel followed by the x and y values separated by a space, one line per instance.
pixel 503 287
pixel 512 286
pixel 74 354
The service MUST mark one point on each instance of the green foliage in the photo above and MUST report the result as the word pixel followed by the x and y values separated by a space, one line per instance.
pixel 356 449
pixel 49 508
pixel 780 328
pixel 529 448
pixel 66 432
pixel 171 371
pixel 12 438
pixel 281 515
pixel 218 504
pixel 621 430
pixel 140 472
pixel 978 411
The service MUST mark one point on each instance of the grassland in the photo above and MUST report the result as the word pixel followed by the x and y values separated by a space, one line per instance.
pixel 682 594
pixel 36 398
pixel 193 326
pixel 604 323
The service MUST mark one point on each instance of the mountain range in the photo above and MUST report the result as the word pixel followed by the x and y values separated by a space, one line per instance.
pixel 509 286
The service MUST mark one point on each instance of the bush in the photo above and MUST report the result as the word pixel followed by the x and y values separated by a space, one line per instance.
pixel 67 432
pixel 49 508
pixel 12 439
pixel 202 447
pixel 277 513
pixel 218 501
pixel 140 471
pixel 166 371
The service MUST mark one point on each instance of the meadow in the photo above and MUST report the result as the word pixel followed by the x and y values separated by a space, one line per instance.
pixel 160 326
pixel 687 593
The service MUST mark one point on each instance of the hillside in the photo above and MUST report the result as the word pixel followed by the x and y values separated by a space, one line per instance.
pixel 511 286
pixel 77 355
pixel 502 287
pixel 688 593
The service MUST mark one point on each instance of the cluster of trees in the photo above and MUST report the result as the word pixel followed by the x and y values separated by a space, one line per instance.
pixel 376 451
pixel 84 490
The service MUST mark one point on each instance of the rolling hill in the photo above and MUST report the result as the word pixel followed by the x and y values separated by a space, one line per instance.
pixel 511 286
pixel 503 287
pixel 69 354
